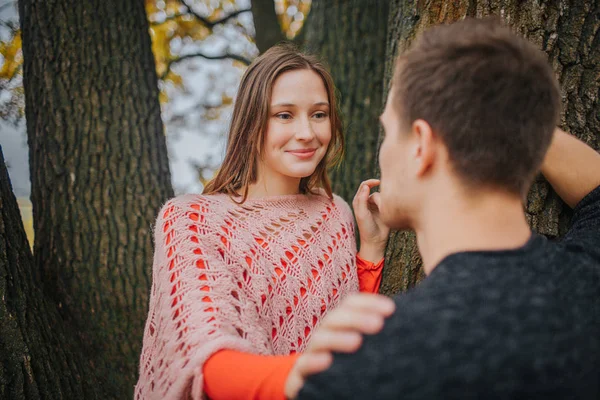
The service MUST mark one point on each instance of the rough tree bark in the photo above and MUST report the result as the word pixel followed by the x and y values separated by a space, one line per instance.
pixel 38 357
pixel 569 33
pixel 350 35
pixel 99 167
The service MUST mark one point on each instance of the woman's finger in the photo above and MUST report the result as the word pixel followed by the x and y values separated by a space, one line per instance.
pixel 374 201
pixel 371 183
pixel 359 203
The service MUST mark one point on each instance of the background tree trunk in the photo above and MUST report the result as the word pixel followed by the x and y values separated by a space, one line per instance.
pixel 266 25
pixel 354 47
pixel 99 167
pixel 568 33
pixel 38 359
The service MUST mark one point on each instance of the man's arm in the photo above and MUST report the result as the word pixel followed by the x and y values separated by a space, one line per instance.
pixel 571 167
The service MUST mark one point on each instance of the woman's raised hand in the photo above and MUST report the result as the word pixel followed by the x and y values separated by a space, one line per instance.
pixel 373 232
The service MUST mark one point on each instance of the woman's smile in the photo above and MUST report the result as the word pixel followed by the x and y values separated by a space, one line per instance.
pixel 303 153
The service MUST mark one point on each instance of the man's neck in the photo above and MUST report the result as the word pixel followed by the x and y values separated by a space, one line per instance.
pixel 494 221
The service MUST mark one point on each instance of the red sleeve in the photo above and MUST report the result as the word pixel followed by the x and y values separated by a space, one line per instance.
pixel 369 275
pixel 234 375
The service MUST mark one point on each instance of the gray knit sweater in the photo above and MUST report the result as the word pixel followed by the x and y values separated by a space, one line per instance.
pixel 514 324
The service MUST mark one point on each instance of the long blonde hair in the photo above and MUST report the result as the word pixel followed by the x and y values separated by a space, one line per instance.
pixel 250 118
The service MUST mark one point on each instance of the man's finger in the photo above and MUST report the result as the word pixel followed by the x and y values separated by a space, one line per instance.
pixel 369 302
pixel 354 320
pixel 327 340
pixel 313 363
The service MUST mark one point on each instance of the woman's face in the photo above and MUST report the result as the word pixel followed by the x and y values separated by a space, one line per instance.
pixel 298 129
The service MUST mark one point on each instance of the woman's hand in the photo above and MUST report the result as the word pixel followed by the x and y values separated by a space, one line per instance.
pixel 340 331
pixel 372 231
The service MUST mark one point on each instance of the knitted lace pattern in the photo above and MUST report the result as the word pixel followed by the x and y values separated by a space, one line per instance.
pixel 254 277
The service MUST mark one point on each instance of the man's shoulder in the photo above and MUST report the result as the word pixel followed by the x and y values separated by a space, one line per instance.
pixel 471 334
pixel 542 288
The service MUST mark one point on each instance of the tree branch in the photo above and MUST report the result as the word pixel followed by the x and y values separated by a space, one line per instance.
pixel 205 21
pixel 225 56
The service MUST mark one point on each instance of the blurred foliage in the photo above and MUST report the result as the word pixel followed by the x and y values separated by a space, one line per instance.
pixel 12 95
pixel 11 55
pixel 175 23
pixel 291 14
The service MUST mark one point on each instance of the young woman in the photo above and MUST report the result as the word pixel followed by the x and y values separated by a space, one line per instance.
pixel 243 274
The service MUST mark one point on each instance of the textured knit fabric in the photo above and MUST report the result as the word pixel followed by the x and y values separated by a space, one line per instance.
pixel 514 324
pixel 264 376
pixel 255 277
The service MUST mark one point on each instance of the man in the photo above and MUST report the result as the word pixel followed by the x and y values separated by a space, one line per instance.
pixel 503 313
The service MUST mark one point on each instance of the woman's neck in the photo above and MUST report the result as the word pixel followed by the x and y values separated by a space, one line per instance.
pixel 273 186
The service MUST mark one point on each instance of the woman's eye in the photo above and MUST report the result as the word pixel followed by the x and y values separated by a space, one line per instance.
pixel 320 115
pixel 284 116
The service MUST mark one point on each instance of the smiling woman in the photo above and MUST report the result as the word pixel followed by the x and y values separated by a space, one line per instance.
pixel 298 133
pixel 285 103
pixel 244 273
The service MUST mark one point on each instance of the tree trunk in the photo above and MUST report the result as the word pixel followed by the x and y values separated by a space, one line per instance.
pixel 266 25
pixel 99 169
pixel 354 48
pixel 38 358
pixel 569 34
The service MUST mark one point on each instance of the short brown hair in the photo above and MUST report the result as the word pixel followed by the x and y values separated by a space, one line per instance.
pixel 489 94
pixel 250 117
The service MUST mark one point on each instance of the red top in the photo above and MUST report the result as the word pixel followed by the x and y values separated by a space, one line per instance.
pixel 260 376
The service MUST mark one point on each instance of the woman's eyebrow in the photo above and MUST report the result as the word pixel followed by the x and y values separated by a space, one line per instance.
pixel 283 105
pixel 321 103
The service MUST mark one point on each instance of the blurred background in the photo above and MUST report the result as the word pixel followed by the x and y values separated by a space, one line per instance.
pixel 196 93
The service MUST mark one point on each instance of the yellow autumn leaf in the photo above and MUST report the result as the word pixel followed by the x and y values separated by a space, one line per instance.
pixel 13 56
pixel 174 78
pixel 163 97
pixel 226 100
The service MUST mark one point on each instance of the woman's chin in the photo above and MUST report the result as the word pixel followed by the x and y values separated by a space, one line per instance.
pixel 300 173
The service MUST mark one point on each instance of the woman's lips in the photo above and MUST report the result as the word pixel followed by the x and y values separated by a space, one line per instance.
pixel 303 153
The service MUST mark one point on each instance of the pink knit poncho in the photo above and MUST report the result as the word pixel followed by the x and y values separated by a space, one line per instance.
pixel 256 277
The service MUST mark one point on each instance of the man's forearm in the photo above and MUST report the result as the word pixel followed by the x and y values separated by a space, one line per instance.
pixel 571 167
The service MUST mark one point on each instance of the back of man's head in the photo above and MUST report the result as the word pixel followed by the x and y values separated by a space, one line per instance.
pixel 489 94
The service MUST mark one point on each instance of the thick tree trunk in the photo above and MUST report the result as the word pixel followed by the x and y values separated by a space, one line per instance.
pixel 99 169
pixel 266 24
pixel 350 35
pixel 569 33
pixel 38 359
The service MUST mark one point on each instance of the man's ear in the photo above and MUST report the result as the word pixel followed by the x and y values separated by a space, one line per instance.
pixel 425 146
